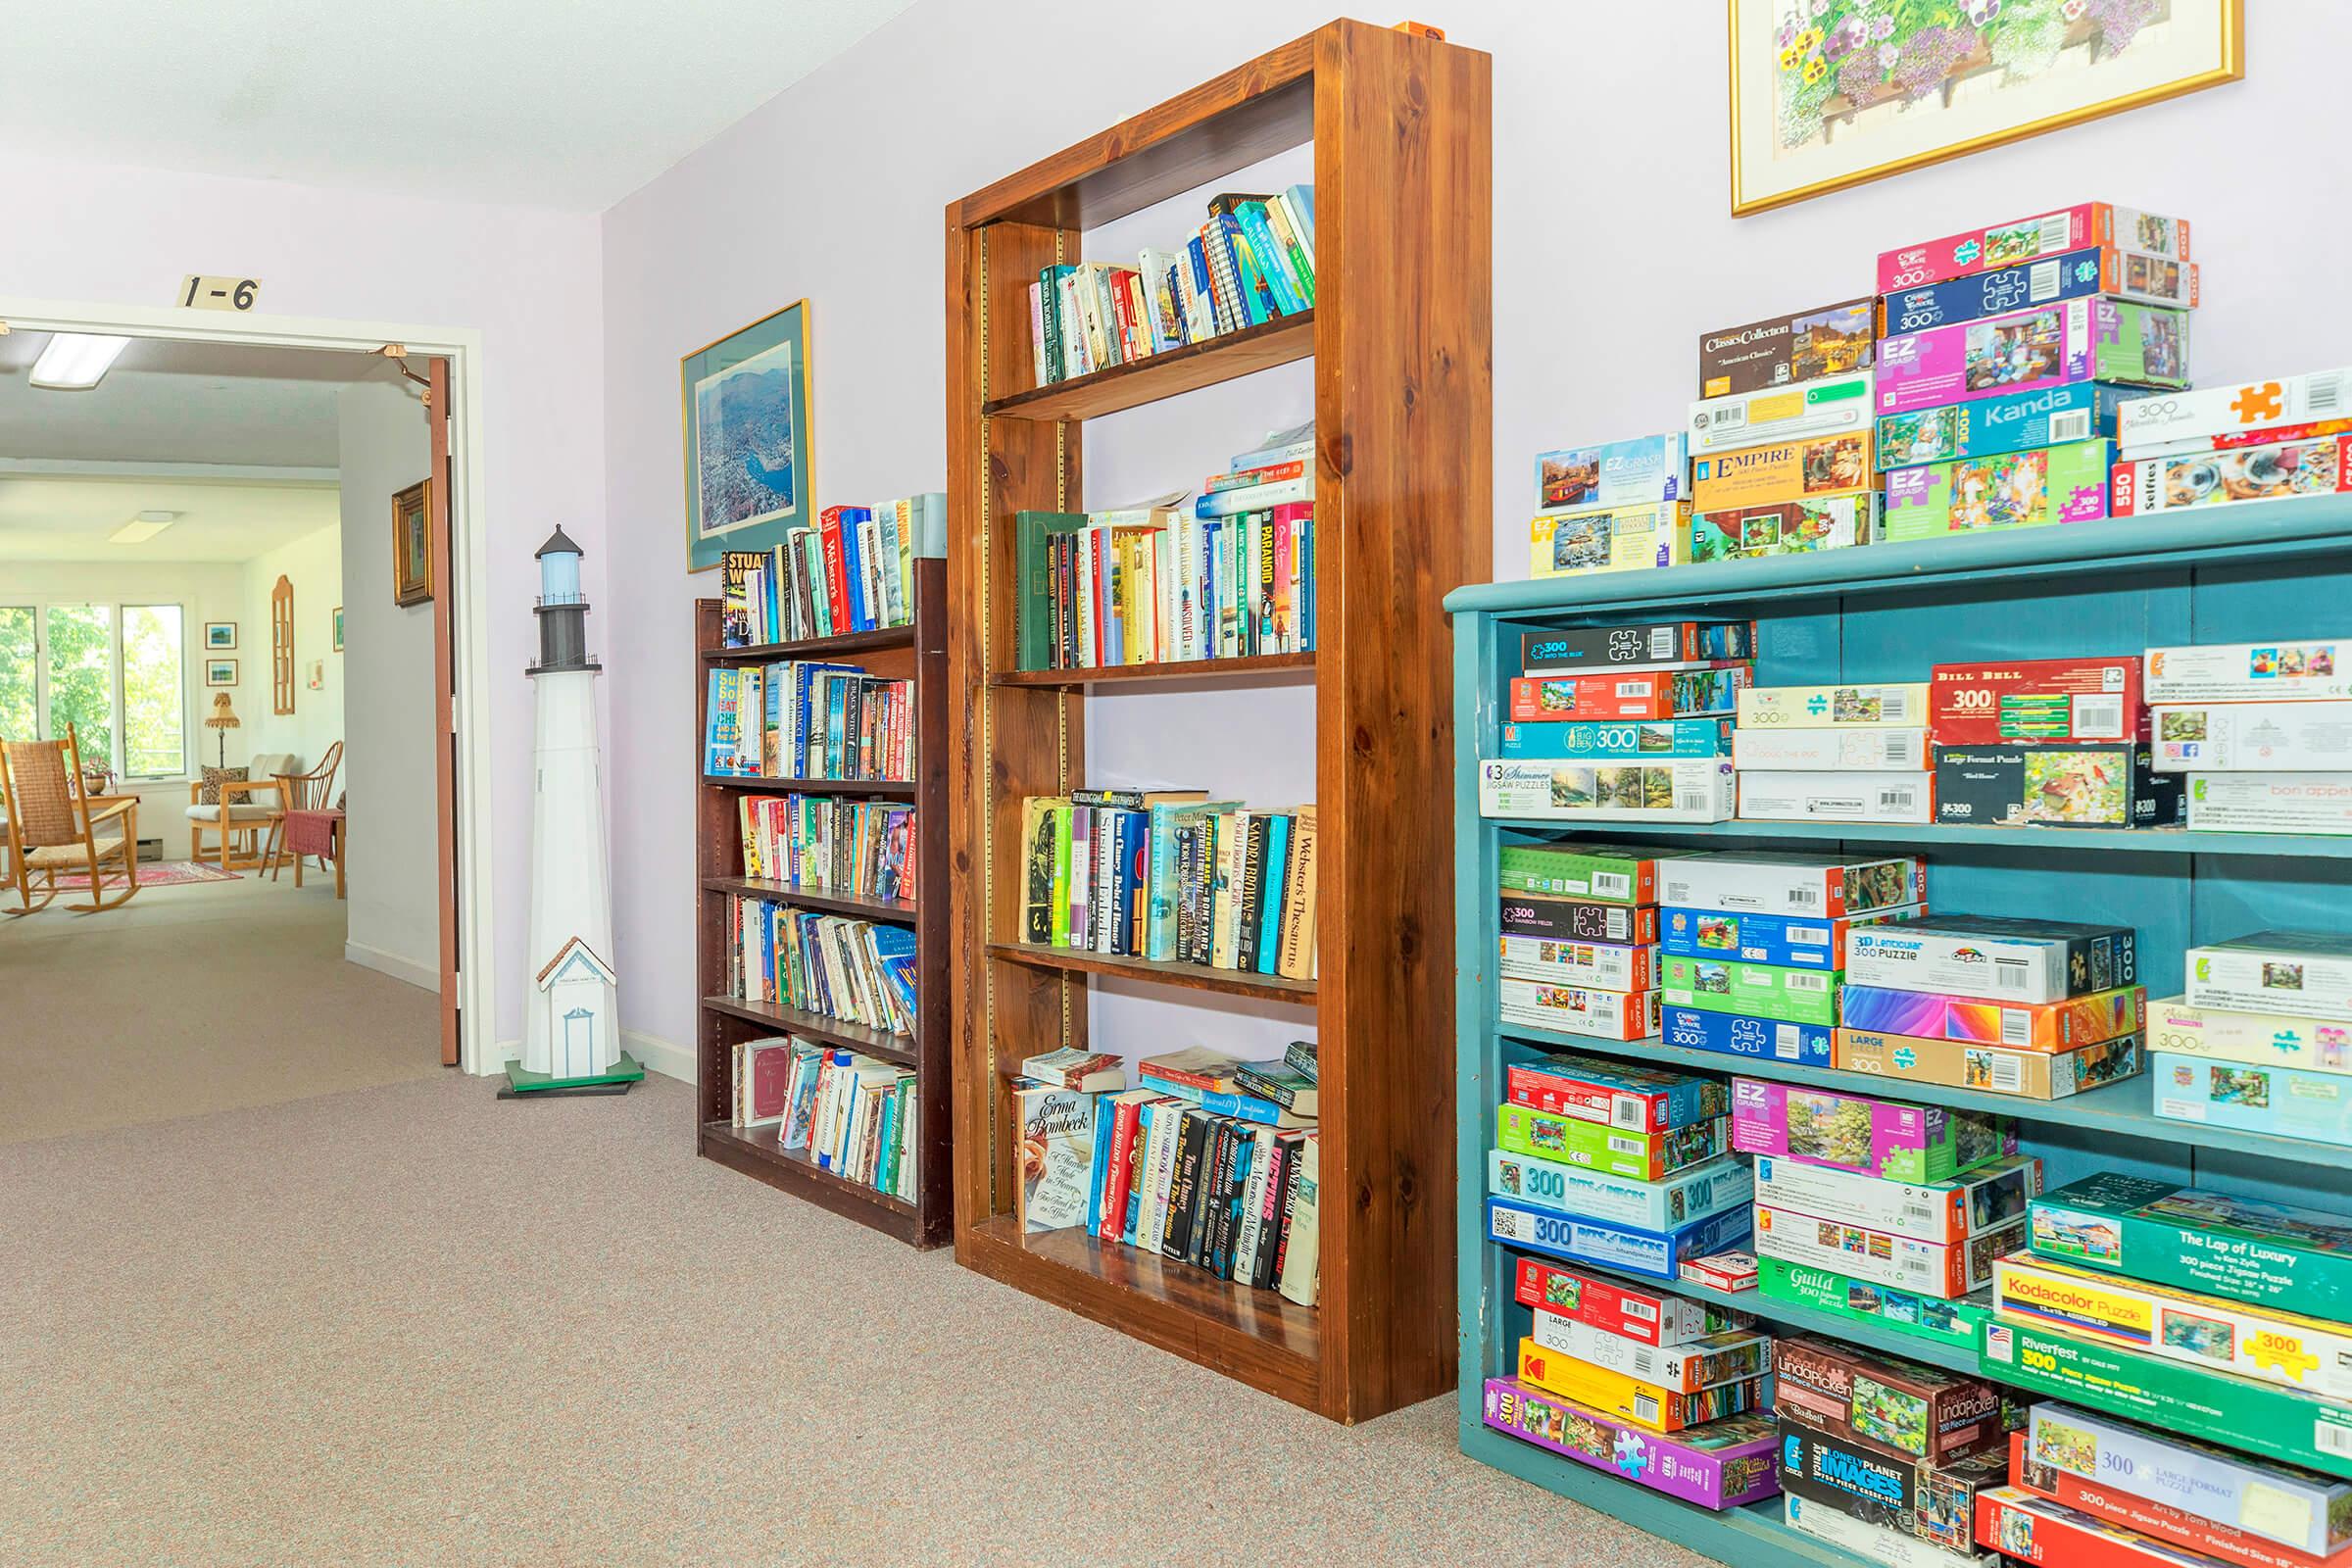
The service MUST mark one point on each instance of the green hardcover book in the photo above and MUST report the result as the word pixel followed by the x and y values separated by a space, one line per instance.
pixel 1032 566
pixel 2262 1418
pixel 2244 1249
pixel 1061 874
pixel 1752 990
pixel 1955 1323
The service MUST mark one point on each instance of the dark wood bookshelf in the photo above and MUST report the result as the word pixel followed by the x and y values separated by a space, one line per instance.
pixel 899 911
pixel 916 653
pixel 841 647
pixel 880 788
pixel 1242 352
pixel 1178 669
pixel 1401 338
pixel 1191 976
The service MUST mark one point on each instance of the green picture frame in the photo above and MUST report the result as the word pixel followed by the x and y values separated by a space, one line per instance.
pixel 744 417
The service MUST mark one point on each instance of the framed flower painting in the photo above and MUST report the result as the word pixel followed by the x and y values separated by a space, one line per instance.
pixel 1831 93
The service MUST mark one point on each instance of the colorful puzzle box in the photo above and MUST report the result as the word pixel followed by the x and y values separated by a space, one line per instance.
pixel 1885 1138
pixel 1625 1096
pixel 1783 471
pixel 1728 1034
pixel 1840 404
pixel 2093 269
pixel 2269 972
pixel 2283 1101
pixel 2270 802
pixel 1652 1406
pixel 2016 958
pixel 1883 1402
pixel 1610 966
pixel 1653 1317
pixel 2026 239
pixel 1653 1254
pixel 1878 748
pixel 1897 704
pixel 1628 875
pixel 1751 989
pixel 1617 538
pixel 1617 741
pixel 1678 1368
pixel 1954 1324
pixel 2281 471
pixel 1647 645
pixel 2200 1533
pixel 1836 797
pixel 2252 672
pixel 1784 350
pixel 2244 1249
pixel 1642 1156
pixel 1685 790
pixel 1710 691
pixel 2038 699
pixel 1990 1069
pixel 2057 785
pixel 1935 1504
pixel 2015 490
pixel 1786 527
pixel 2231 409
pixel 1720 1465
pixel 1771 882
pixel 2094 339
pixel 1642 471
pixel 2058 1025
pixel 1988 427
pixel 1577 920
pixel 1660 1205
pixel 1934 1268
pixel 1795 941
pixel 2264 1039
pixel 1991 1197
pixel 1588 1012
pixel 2254 737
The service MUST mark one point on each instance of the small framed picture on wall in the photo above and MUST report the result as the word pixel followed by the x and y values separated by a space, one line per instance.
pixel 338 628
pixel 220 636
pixel 219 672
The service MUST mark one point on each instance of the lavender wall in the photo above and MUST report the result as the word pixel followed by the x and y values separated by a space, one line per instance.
pixel 1613 252
pixel 527 279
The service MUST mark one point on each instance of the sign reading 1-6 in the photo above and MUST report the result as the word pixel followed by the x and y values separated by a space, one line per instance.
pixel 219 293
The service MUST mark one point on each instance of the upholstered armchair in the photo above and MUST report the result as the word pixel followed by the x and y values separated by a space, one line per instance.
pixel 242 812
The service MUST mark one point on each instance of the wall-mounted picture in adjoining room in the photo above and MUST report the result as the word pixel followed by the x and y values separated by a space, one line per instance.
pixel 413 543
pixel 317 675
pixel 220 636
pixel 1831 93
pixel 219 672
pixel 746 410
pixel 338 628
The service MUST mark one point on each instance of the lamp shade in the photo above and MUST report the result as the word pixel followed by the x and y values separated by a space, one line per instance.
pixel 223 716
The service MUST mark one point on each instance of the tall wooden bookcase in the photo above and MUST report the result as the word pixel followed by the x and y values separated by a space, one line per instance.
pixel 1401 339
pixel 916 653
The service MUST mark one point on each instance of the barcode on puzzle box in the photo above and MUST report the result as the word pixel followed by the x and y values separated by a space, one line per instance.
pixel 1808 897
pixel 1663 642
pixel 2008 1075
pixel 2330 1438
pixel 1897 750
pixel 1895 708
pixel 1646 1409
pixel 2017 1029
pixel 2070 425
pixel 2099 716
pixel 2324 394
pixel 2041 280
pixel 1897 800
pixel 1640 1311
pixel 1625 1111
pixel 1612 885
pixel 1691 800
pixel 2057 232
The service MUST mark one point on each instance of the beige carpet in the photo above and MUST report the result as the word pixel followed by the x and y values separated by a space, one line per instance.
pixel 194 999
pixel 414 1325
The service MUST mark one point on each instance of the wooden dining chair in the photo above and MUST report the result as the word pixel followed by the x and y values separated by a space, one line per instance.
pixel 52 828
pixel 302 792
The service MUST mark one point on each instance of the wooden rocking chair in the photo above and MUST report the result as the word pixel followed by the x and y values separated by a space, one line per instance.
pixel 52 828
pixel 301 792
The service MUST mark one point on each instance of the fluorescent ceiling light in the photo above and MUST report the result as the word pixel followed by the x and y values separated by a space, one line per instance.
pixel 143 528
pixel 75 361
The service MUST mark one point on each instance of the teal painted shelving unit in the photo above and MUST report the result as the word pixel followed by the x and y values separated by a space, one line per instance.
pixel 2240 573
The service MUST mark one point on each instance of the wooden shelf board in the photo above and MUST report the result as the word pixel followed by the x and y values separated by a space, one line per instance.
pixel 2052 840
pixel 759 1151
pixel 1757 1535
pixel 816 1027
pixel 1197 670
pixel 1163 375
pixel 871 908
pixel 1196 976
pixel 2122 1111
pixel 885 788
pixel 1257 1336
pixel 852 642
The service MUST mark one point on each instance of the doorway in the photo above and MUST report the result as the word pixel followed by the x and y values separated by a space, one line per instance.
pixel 436 369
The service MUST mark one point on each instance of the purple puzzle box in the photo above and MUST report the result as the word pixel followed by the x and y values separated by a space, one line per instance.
pixel 1719 1465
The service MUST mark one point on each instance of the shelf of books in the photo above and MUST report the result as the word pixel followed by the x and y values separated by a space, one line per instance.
pixel 1175 1192
pixel 1951 1166
pixel 820 854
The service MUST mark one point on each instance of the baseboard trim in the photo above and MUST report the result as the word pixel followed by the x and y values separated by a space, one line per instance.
pixel 421 976
pixel 661 1056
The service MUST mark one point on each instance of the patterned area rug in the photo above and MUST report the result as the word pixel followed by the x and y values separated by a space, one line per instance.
pixel 153 874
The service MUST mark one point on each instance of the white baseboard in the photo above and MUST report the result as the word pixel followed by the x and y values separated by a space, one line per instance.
pixel 423 977
pixel 661 1056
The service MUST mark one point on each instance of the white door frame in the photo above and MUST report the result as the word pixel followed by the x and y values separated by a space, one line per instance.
pixel 469 554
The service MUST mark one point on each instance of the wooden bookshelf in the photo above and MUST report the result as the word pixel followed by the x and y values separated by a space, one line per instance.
pixel 1401 338
pixel 916 653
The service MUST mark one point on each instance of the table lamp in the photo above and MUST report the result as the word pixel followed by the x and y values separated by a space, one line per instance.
pixel 223 720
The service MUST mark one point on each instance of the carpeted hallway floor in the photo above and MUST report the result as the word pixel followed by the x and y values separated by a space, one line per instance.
pixel 194 999
pixel 409 1324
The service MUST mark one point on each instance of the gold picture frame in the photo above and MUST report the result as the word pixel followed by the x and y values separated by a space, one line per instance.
pixel 1836 73
pixel 413 543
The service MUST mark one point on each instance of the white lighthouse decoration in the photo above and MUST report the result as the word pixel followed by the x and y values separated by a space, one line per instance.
pixel 571 1023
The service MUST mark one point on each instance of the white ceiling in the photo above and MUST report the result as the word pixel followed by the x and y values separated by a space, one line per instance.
pixel 166 401
pixel 68 519
pixel 548 103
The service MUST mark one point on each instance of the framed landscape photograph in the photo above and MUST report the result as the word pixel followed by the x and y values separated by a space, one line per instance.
pixel 1831 93
pixel 413 543
pixel 338 628
pixel 746 409
pixel 219 672
pixel 220 636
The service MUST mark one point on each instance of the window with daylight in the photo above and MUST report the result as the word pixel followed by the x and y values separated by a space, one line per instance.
pixel 117 674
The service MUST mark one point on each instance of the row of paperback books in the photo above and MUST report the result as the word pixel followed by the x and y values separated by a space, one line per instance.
pixel 1226 574
pixel 851 570
pixel 1253 262
pixel 1207 1161
pixel 854 970
pixel 825 844
pixel 854 1115
pixel 802 720
pixel 1171 876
